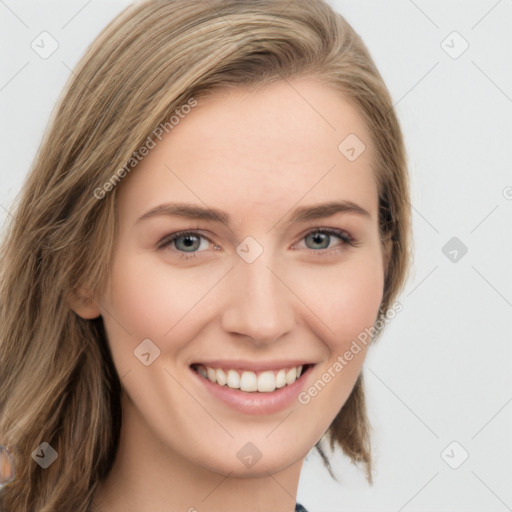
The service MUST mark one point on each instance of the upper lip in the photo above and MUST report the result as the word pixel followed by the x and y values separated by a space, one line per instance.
pixel 254 366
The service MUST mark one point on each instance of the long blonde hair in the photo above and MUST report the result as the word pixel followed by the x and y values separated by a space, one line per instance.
pixel 58 383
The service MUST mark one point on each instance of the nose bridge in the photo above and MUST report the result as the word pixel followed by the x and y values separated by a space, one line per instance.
pixel 259 302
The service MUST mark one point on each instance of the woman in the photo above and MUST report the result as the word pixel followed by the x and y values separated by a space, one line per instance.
pixel 216 219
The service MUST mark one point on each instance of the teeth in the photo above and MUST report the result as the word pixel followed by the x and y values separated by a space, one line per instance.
pixel 248 382
pixel 233 379
pixel 212 374
pixel 221 377
pixel 280 379
pixel 291 376
pixel 266 382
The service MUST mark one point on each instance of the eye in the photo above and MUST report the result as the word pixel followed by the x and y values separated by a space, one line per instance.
pixel 319 239
pixel 187 243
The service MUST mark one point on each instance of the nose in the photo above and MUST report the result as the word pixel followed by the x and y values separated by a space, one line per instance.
pixel 259 303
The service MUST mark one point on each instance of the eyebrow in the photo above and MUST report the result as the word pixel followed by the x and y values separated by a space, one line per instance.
pixel 302 214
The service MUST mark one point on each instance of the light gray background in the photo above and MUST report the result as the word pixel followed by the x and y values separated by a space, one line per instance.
pixel 441 371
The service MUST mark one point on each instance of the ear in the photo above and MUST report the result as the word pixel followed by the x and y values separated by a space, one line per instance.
pixel 83 304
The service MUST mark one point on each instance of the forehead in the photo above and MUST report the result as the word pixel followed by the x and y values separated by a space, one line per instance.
pixel 250 150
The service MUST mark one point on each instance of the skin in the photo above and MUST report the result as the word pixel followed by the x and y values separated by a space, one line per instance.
pixel 257 155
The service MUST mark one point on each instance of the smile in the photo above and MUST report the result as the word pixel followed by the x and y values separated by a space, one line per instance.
pixel 248 381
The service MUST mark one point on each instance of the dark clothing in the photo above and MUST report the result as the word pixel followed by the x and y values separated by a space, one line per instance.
pixel 300 508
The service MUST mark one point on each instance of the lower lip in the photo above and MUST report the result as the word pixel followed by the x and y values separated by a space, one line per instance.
pixel 256 402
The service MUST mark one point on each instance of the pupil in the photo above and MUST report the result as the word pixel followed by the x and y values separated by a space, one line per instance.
pixel 318 238
pixel 189 241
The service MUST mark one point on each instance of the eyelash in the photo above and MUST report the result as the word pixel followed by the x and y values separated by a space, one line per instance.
pixel 340 234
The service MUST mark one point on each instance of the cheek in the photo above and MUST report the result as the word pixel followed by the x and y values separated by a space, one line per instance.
pixel 360 295
pixel 150 298
pixel 135 309
pixel 348 304
pixel 345 298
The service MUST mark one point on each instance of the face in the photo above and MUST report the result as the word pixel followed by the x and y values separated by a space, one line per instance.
pixel 272 282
